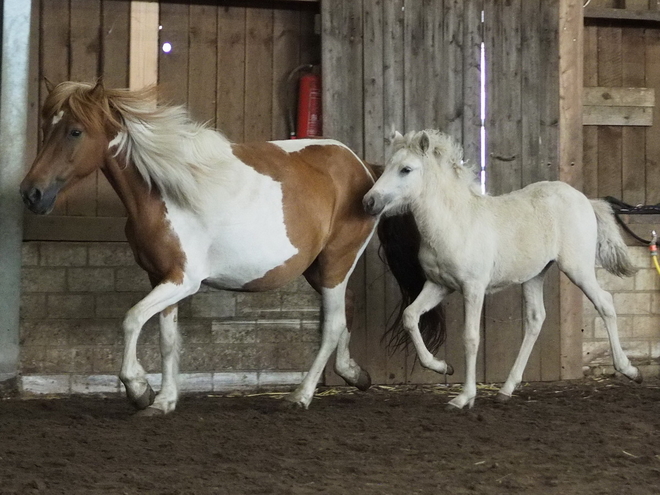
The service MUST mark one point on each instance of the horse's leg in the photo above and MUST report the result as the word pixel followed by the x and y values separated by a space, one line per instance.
pixel 170 349
pixel 132 373
pixel 585 279
pixel 345 367
pixel 534 317
pixel 473 298
pixel 334 324
pixel 430 296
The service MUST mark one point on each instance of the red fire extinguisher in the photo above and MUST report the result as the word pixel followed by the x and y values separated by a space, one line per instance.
pixel 309 106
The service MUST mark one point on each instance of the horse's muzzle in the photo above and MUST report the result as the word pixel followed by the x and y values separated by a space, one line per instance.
pixel 372 204
pixel 40 201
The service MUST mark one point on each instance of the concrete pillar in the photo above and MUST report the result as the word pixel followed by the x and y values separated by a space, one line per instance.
pixel 13 125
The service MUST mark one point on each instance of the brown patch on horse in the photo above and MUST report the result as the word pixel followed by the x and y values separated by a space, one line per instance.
pixel 322 186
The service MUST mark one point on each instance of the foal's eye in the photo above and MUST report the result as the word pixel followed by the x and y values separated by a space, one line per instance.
pixel 75 133
pixel 406 170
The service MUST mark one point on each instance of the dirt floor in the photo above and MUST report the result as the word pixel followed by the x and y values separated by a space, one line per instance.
pixel 585 437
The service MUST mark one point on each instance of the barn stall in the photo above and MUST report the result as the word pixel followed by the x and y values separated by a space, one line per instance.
pixel 410 63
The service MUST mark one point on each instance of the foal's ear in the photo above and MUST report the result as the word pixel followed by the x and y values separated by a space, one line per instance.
pixel 424 142
pixel 98 90
pixel 49 85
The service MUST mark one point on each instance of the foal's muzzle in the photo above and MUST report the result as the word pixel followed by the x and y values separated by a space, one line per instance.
pixel 373 203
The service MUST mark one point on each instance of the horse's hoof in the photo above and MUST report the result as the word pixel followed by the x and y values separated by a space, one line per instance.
pixel 145 400
pixel 452 408
pixel 449 370
pixel 364 381
pixel 639 378
pixel 149 412
pixel 291 405
pixel 502 398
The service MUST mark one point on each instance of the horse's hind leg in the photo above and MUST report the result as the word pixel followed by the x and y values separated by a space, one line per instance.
pixel 534 317
pixel 430 296
pixel 585 279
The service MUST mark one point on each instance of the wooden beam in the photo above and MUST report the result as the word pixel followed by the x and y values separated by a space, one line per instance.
pixel 619 97
pixel 571 33
pixel 615 115
pixel 599 13
pixel 144 44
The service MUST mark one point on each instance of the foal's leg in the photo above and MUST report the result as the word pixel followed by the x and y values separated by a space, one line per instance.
pixel 132 373
pixel 585 279
pixel 534 317
pixel 432 294
pixel 334 323
pixel 473 298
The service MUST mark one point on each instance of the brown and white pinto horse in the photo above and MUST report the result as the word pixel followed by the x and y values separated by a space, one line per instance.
pixel 244 217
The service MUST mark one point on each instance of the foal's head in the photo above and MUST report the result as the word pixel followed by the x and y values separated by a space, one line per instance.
pixel 77 122
pixel 417 158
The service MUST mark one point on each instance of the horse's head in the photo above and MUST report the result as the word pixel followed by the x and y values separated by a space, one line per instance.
pixel 77 123
pixel 402 178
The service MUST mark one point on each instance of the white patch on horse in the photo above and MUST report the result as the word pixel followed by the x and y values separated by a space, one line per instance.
pixel 294 145
pixel 57 118
pixel 239 236
pixel 117 139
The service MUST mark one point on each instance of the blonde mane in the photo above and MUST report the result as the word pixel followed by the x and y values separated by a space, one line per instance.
pixel 180 157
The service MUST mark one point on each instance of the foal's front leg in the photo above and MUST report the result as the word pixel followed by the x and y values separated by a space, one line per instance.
pixel 431 295
pixel 473 298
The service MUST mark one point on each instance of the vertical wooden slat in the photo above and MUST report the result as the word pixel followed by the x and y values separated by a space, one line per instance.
pixel 374 150
pixel 85 43
pixel 652 37
pixel 202 57
pixel 33 135
pixel 503 311
pixel 393 117
pixel 115 21
pixel 417 95
pixel 570 170
pixel 230 117
pixel 54 57
pixel 610 74
pixel 590 148
pixel 258 74
pixel 173 66
pixel 144 44
pixel 286 57
pixel 634 138
pixel 548 346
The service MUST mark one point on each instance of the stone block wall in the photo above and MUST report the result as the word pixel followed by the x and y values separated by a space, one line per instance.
pixel 637 302
pixel 74 298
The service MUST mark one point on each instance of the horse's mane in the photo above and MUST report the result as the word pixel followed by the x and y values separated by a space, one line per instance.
pixel 168 149
pixel 445 149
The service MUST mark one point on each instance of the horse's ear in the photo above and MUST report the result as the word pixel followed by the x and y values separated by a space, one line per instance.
pixel 394 135
pixel 424 142
pixel 49 85
pixel 98 90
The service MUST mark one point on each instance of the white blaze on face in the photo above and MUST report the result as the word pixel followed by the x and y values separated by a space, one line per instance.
pixel 57 118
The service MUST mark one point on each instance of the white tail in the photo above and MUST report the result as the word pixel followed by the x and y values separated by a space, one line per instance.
pixel 611 251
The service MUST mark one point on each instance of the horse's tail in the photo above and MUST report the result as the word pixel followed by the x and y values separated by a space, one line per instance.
pixel 400 241
pixel 611 250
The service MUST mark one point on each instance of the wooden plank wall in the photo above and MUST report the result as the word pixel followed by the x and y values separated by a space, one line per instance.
pixel 414 65
pixel 228 65
pixel 622 161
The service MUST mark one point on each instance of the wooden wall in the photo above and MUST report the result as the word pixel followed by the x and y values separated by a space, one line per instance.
pixel 415 65
pixel 228 64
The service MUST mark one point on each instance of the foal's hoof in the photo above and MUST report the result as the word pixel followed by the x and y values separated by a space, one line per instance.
pixel 292 404
pixel 149 412
pixel 145 400
pixel 502 398
pixel 364 381
pixel 449 370
pixel 639 378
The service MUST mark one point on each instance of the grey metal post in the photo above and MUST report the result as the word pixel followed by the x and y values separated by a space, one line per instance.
pixel 13 125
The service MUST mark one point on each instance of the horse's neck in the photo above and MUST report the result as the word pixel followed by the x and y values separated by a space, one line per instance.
pixel 135 194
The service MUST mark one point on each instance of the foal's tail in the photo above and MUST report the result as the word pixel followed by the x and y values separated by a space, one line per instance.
pixel 400 241
pixel 611 251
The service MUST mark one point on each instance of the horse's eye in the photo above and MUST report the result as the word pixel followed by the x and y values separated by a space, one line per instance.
pixel 75 133
pixel 406 170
